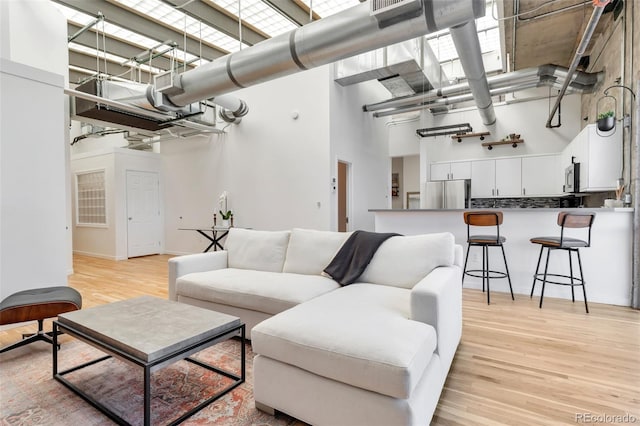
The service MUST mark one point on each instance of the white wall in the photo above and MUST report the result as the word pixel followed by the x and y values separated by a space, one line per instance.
pixel 403 139
pixel 97 241
pixel 275 168
pixel 110 241
pixel 360 140
pixel 34 234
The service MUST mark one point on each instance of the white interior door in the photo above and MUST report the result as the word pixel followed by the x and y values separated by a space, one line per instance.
pixel 144 233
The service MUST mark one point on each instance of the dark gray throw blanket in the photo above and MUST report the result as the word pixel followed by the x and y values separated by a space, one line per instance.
pixel 354 256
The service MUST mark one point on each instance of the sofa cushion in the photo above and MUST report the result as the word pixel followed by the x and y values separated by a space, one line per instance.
pixel 359 335
pixel 403 261
pixel 310 251
pixel 268 292
pixel 257 250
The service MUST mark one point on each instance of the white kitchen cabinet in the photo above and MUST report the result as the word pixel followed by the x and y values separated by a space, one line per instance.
pixel 542 175
pixel 508 177
pixel 496 178
pixel 451 171
pixel 483 178
pixel 600 158
pixel 461 170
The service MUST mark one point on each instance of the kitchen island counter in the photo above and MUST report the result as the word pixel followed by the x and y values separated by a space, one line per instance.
pixel 607 264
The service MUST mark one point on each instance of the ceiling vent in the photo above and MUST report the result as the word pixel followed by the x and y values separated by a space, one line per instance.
pixel 389 12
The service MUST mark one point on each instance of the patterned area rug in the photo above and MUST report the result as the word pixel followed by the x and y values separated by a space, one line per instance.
pixel 30 396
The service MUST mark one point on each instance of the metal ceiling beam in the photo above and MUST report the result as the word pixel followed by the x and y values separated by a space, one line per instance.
pixel 290 10
pixel 83 60
pixel 76 76
pixel 115 46
pixel 306 8
pixel 138 24
pixel 219 19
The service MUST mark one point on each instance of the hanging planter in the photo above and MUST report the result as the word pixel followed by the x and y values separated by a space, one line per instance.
pixel 606 121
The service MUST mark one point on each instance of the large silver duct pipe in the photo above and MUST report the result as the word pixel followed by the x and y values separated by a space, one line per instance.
pixel 465 38
pixel 543 75
pixel 586 37
pixel 354 31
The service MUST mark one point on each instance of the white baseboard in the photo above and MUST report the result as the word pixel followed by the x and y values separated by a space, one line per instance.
pixel 99 255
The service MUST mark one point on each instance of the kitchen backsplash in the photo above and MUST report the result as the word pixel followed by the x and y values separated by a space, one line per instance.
pixel 511 203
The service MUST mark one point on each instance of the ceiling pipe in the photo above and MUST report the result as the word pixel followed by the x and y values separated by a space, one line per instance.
pixel 351 32
pixel 582 47
pixel 453 100
pixel 543 75
pixel 465 39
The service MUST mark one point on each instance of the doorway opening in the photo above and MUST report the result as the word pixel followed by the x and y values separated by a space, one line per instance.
pixel 344 172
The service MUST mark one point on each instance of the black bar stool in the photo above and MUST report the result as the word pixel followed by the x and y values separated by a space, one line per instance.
pixel 485 218
pixel 571 245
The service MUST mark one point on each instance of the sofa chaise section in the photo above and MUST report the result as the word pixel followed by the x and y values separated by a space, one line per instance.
pixel 372 352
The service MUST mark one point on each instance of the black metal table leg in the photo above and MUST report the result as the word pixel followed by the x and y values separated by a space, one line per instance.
pixel 147 396
pixel 55 349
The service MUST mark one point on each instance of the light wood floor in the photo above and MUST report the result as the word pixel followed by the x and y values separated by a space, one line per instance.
pixel 516 364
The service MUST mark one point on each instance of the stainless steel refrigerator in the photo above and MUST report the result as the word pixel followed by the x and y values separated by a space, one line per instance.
pixel 447 194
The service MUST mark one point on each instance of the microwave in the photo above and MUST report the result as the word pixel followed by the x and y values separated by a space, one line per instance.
pixel 572 178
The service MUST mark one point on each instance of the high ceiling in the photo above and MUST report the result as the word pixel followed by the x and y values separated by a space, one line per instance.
pixel 208 28
pixel 546 32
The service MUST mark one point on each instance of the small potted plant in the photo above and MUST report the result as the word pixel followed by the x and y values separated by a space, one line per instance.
pixel 606 121
pixel 226 217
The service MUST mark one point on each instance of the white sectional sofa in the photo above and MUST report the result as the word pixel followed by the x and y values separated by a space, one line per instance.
pixel 376 352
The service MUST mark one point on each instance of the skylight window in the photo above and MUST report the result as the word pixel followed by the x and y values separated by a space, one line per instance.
pixel 123 34
pixel 182 22
pixel 326 8
pixel 113 58
pixel 260 15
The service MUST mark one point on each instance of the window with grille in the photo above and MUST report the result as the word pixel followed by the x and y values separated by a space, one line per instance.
pixel 90 198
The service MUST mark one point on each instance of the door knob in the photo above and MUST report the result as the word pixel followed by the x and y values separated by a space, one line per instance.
pixel 130 218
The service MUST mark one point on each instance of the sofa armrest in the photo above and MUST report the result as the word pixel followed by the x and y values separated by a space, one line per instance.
pixel 437 300
pixel 457 255
pixel 201 262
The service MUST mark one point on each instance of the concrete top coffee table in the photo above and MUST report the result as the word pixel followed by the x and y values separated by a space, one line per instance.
pixel 151 333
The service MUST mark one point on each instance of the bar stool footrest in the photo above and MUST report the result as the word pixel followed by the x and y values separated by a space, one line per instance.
pixel 479 273
pixel 576 281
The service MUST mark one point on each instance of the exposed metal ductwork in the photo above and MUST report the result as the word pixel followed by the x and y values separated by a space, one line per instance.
pixel 356 30
pixel 178 99
pixel 403 68
pixel 125 104
pixel 465 38
pixel 545 75
pixel 233 109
